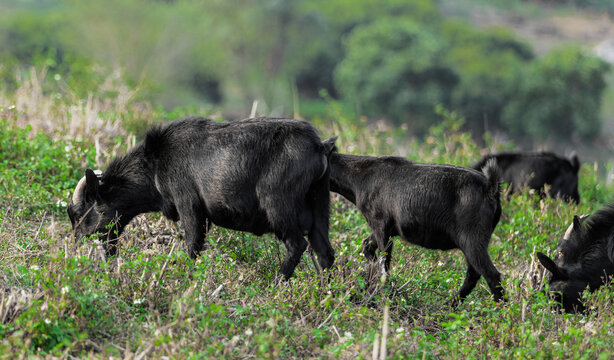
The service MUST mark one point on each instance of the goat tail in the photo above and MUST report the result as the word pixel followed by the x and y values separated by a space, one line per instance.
pixel 329 146
pixel 493 175
pixel 480 164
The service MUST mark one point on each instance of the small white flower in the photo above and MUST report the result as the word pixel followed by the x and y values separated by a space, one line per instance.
pixel 348 335
pixel 57 77
pixel 440 263
pixel 65 290
pixel 400 330
pixel 47 321
pixel 34 268
pixel 249 332
pixel 61 203
pixel 137 301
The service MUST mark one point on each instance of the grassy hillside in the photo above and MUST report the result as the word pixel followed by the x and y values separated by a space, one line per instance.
pixel 64 299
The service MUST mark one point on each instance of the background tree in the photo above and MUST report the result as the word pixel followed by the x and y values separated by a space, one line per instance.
pixel 558 96
pixel 393 67
pixel 487 61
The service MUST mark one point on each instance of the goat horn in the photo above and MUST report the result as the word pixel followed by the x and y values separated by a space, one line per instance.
pixel 568 232
pixel 78 194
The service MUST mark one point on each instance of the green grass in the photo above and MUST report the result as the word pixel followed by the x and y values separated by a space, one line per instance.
pixel 60 299
pixel 37 171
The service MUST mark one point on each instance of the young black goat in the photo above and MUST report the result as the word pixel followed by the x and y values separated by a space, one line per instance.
pixel 434 206
pixel 258 175
pixel 538 171
pixel 586 258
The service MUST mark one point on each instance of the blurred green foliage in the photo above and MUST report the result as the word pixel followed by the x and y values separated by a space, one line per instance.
pixel 559 95
pixel 487 60
pixel 39 39
pixel 392 59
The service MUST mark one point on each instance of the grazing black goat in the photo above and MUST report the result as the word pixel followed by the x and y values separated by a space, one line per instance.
pixel 585 258
pixel 434 206
pixel 259 175
pixel 547 173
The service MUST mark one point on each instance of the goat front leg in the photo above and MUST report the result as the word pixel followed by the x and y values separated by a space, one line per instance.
pixel 295 247
pixel 378 241
pixel 194 224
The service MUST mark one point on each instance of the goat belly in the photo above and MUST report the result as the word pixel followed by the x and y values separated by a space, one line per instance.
pixel 428 237
pixel 254 221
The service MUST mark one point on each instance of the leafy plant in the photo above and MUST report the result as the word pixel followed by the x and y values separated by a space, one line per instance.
pixel 38 173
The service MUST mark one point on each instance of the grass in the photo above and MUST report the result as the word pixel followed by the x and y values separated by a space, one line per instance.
pixel 62 299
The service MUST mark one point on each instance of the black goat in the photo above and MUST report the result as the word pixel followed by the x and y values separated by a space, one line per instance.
pixel 434 206
pixel 536 170
pixel 586 258
pixel 258 175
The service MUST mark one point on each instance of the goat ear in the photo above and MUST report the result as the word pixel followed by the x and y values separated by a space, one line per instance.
pixel 578 226
pixel 549 264
pixel 91 185
pixel 577 222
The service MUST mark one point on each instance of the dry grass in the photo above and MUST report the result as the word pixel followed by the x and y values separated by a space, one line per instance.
pixel 98 119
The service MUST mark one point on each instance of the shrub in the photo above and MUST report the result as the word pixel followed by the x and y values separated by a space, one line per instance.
pixel 558 96
pixel 487 61
pixel 395 68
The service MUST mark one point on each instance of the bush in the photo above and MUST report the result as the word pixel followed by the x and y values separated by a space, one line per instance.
pixel 487 61
pixel 558 96
pixel 314 58
pixel 395 68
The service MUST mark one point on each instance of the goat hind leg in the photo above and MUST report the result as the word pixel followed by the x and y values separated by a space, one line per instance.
pixel 471 280
pixel 478 258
